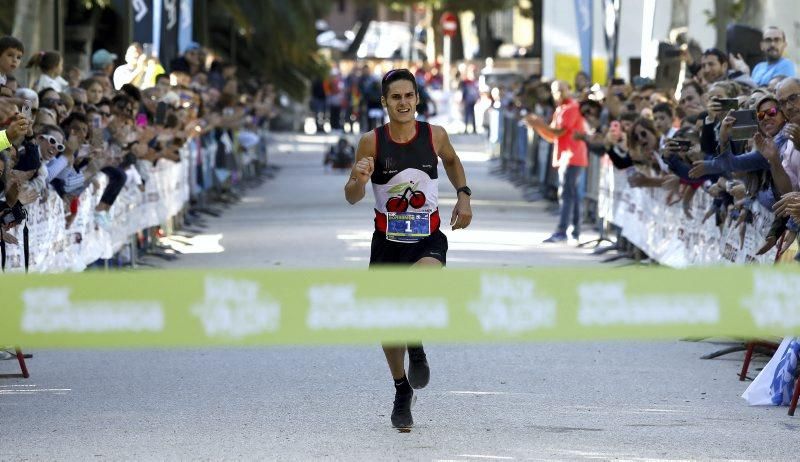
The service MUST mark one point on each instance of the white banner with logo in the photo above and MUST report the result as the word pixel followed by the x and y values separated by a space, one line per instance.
pixel 56 248
pixel 669 236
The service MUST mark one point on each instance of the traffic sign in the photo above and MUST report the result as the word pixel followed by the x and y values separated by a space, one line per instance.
pixel 449 22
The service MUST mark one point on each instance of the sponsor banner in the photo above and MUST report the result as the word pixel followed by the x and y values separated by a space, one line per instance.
pixel 54 247
pixel 181 308
pixel 676 237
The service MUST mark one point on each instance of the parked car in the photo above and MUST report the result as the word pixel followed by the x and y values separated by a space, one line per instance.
pixel 497 78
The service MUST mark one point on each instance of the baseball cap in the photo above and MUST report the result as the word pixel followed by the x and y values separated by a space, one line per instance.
pixel 103 57
pixel 192 46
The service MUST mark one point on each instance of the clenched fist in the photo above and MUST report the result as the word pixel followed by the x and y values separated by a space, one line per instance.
pixel 363 169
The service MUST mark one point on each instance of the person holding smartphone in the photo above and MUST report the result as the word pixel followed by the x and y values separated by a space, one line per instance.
pixel 769 141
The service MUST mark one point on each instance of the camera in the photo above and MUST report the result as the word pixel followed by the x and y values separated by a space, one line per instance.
pixel 12 216
pixel 745 126
pixel 728 104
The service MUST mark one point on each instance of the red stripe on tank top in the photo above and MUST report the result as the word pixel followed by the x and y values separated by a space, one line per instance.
pixel 380 221
pixel 430 132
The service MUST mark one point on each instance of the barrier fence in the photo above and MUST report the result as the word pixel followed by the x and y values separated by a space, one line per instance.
pixel 208 163
pixel 662 231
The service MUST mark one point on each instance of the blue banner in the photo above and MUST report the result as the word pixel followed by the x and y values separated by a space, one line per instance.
pixel 169 31
pixel 584 20
pixel 611 29
pixel 185 24
pixel 142 21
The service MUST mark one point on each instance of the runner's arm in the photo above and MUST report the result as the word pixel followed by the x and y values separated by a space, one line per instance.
pixel 462 212
pixel 363 167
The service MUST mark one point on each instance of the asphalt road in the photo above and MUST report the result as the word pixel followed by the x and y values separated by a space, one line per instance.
pixel 567 401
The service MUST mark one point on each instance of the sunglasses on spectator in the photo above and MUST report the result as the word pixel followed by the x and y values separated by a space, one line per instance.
pixel 50 102
pixel 771 112
pixel 792 99
pixel 53 142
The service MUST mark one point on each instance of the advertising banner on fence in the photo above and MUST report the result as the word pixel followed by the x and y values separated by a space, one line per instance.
pixel 56 248
pixel 670 236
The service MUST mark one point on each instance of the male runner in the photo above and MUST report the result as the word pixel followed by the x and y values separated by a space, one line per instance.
pixel 401 159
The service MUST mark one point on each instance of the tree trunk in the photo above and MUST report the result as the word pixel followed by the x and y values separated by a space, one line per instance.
pixel 485 36
pixel 723 17
pixel 753 14
pixel 537 14
pixel 26 29
pixel 680 14
pixel 457 43
pixel 365 16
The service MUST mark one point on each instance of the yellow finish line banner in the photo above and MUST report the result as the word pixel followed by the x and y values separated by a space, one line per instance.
pixel 212 308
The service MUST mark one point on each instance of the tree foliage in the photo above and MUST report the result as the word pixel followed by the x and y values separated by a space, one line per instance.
pixel 277 38
pixel 456 6
pixel 273 38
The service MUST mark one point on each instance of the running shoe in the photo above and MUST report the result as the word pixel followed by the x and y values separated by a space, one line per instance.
pixel 401 413
pixel 555 237
pixel 418 371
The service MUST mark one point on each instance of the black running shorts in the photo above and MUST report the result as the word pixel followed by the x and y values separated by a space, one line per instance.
pixel 385 252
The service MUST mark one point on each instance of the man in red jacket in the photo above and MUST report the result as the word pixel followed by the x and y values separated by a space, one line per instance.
pixel 570 156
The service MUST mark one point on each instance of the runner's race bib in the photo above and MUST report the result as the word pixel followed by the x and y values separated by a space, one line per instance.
pixel 408 226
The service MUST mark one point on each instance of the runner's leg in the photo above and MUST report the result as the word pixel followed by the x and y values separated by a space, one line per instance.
pixel 395 357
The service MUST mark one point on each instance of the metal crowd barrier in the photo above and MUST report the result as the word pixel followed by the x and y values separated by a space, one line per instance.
pixel 526 159
pixel 211 165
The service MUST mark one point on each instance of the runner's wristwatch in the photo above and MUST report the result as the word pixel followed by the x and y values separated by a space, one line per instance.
pixel 465 190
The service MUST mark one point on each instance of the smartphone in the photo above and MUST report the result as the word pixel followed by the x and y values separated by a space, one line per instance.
pixel 147 49
pixel 96 120
pixel 161 113
pixel 26 110
pixel 684 145
pixel 728 104
pixel 745 126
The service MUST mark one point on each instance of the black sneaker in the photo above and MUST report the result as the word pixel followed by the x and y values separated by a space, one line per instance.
pixel 418 371
pixel 401 413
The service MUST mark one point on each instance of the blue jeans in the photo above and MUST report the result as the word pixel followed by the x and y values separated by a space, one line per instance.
pixel 569 178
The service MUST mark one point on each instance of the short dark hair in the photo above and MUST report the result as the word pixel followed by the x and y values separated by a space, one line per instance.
pixel 132 91
pixel 11 42
pixel 697 87
pixel 590 103
pixel 42 129
pixel 87 83
pixel 393 76
pixel 687 132
pixel 629 116
pixel 777 29
pixel 663 107
pixel 721 57
pixel 74 117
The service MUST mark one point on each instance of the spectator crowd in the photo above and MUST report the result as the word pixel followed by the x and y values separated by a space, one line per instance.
pixel 65 129
pixel 728 132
